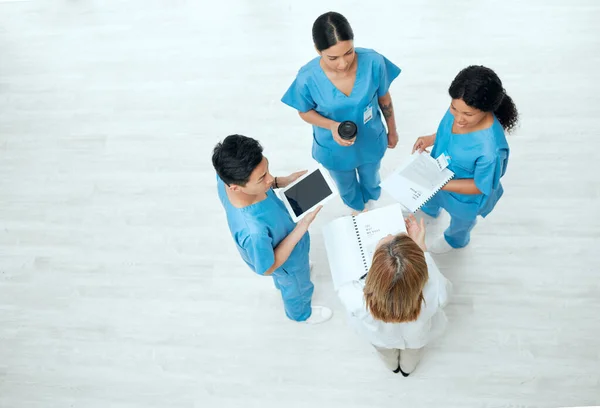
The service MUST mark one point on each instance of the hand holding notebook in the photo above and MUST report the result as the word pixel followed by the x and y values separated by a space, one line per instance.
pixel 350 241
pixel 414 183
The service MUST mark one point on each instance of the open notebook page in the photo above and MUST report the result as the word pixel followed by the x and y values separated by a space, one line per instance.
pixel 343 251
pixel 417 181
pixel 376 224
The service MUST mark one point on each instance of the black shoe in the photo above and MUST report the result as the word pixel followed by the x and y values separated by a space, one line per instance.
pixel 399 370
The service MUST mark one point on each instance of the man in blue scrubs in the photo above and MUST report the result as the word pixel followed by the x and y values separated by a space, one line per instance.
pixel 266 237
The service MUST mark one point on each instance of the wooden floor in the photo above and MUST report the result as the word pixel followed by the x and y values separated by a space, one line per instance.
pixel 120 285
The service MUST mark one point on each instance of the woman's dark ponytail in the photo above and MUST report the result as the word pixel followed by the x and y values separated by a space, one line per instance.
pixel 507 113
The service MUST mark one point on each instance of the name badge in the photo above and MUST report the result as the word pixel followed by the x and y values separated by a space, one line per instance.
pixel 443 161
pixel 368 114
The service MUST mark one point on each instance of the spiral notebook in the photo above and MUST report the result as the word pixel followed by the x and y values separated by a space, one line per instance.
pixel 414 183
pixel 350 241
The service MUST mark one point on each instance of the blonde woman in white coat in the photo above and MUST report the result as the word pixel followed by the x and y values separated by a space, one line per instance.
pixel 398 306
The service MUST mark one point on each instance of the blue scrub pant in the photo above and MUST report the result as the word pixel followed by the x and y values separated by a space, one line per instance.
pixel 458 234
pixel 356 191
pixel 296 290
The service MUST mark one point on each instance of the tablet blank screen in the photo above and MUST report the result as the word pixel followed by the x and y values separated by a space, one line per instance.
pixel 307 193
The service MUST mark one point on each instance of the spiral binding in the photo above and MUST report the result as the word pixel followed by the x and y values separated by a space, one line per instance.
pixel 360 245
pixel 434 193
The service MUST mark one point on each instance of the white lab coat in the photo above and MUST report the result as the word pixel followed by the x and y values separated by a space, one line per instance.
pixel 411 335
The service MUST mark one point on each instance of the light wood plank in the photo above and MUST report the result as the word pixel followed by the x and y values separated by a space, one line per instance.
pixel 120 285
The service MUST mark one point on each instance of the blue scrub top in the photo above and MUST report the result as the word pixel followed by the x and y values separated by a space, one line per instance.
pixel 312 90
pixel 258 228
pixel 481 155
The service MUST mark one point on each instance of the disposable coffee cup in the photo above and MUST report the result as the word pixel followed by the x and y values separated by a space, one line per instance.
pixel 347 130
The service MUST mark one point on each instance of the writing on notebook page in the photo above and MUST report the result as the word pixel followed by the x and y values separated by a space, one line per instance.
pixel 421 171
pixel 416 194
pixel 371 236
pixel 351 241
pixel 370 231
pixel 414 183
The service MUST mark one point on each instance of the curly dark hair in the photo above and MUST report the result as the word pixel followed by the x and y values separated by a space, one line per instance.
pixel 480 88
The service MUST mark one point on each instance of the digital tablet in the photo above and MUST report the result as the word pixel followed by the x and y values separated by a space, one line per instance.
pixel 311 190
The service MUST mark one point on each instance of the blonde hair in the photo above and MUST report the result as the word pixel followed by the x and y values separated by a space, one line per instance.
pixel 394 285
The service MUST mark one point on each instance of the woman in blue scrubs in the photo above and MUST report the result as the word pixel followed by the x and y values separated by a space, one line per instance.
pixel 471 136
pixel 346 84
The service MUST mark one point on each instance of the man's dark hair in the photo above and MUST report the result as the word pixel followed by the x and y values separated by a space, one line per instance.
pixel 235 158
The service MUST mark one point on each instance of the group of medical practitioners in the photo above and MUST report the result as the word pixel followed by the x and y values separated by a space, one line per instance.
pixel 397 307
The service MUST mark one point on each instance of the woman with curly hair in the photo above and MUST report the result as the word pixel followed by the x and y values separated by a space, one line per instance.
pixel 471 136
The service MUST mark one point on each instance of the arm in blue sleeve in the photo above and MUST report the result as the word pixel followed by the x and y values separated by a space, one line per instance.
pixel 261 254
pixel 388 71
pixel 298 97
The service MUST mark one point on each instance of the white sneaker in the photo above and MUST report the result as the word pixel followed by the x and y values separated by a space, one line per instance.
pixel 319 314
pixel 439 246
